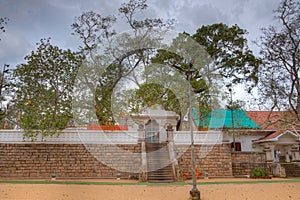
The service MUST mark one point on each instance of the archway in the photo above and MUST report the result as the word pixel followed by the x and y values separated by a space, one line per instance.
pixel 152 131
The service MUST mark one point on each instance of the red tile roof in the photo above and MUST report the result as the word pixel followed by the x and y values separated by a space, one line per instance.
pixel 107 127
pixel 279 121
pixel 274 120
pixel 276 134
pixel 272 135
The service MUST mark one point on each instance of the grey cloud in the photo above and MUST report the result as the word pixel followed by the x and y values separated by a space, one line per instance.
pixel 264 11
pixel 12 48
pixel 31 20
pixel 191 17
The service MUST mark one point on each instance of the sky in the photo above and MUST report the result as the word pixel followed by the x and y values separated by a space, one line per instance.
pixel 31 20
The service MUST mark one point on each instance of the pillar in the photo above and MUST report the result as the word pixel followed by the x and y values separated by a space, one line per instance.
pixel 143 171
pixel 170 133
pixel 269 153
pixel 295 153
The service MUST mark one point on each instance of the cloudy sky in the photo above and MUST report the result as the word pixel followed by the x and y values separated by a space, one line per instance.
pixel 31 20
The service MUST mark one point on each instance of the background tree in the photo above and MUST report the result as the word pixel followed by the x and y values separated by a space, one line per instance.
pixel 122 53
pixel 226 46
pixel 188 55
pixel 3 110
pixel 5 76
pixel 183 55
pixel 43 89
pixel 279 75
pixel 231 60
pixel 93 29
pixel 229 50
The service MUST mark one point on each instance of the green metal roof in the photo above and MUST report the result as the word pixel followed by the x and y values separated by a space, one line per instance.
pixel 218 119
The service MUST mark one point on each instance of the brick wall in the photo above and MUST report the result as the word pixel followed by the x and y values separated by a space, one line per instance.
pixel 248 157
pixel 106 161
pixel 244 162
pixel 215 159
pixel 66 160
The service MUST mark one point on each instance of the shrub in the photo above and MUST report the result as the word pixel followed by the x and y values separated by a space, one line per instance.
pixel 257 172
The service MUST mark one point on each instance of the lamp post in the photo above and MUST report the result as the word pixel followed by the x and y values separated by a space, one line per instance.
pixel 2 113
pixel 194 193
pixel 2 78
pixel 232 119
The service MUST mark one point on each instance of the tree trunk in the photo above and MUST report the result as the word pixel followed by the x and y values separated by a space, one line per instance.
pixel 298 101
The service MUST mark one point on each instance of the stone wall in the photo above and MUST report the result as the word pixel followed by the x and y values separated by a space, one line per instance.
pixel 212 159
pixel 244 162
pixel 40 160
pixel 66 160
pixel 248 157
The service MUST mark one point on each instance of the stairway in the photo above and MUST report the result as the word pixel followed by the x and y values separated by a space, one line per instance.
pixel 159 165
pixel 291 169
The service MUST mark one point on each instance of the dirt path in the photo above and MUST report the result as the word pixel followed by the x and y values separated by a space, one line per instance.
pixel 266 191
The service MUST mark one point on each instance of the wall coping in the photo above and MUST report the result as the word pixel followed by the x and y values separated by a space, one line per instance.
pixel 83 136
pixel 247 152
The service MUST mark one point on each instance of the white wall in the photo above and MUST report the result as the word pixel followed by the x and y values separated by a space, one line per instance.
pixel 246 141
pixel 81 136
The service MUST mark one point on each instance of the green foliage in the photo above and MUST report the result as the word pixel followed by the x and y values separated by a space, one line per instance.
pixel 176 61
pixel 230 57
pixel 103 94
pixel 150 94
pixel 236 105
pixel 228 47
pixel 123 52
pixel 5 77
pixel 42 89
pixel 182 55
pixel 258 172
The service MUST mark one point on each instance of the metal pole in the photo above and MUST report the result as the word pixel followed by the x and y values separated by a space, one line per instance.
pixel 2 78
pixel 194 193
pixel 232 120
pixel 1 85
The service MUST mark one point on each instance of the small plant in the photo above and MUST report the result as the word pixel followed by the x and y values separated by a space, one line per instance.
pixel 258 172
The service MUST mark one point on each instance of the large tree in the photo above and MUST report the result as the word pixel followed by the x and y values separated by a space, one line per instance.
pixel 120 54
pixel 279 74
pixel 228 48
pixel 43 88
pixel 231 60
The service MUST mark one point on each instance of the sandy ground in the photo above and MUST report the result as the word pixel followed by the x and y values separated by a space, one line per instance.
pixel 263 191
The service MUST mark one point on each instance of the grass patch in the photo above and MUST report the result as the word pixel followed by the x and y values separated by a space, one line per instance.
pixel 249 182
pixel 58 182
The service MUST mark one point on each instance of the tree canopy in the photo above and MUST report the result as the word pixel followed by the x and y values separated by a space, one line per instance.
pixel 123 53
pixel 43 88
pixel 227 47
pixel 230 53
pixel 154 72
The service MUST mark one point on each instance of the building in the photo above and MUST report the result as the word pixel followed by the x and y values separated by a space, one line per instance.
pixel 276 134
pixel 151 149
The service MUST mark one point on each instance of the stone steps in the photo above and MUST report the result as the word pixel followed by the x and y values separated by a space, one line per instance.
pixel 158 163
